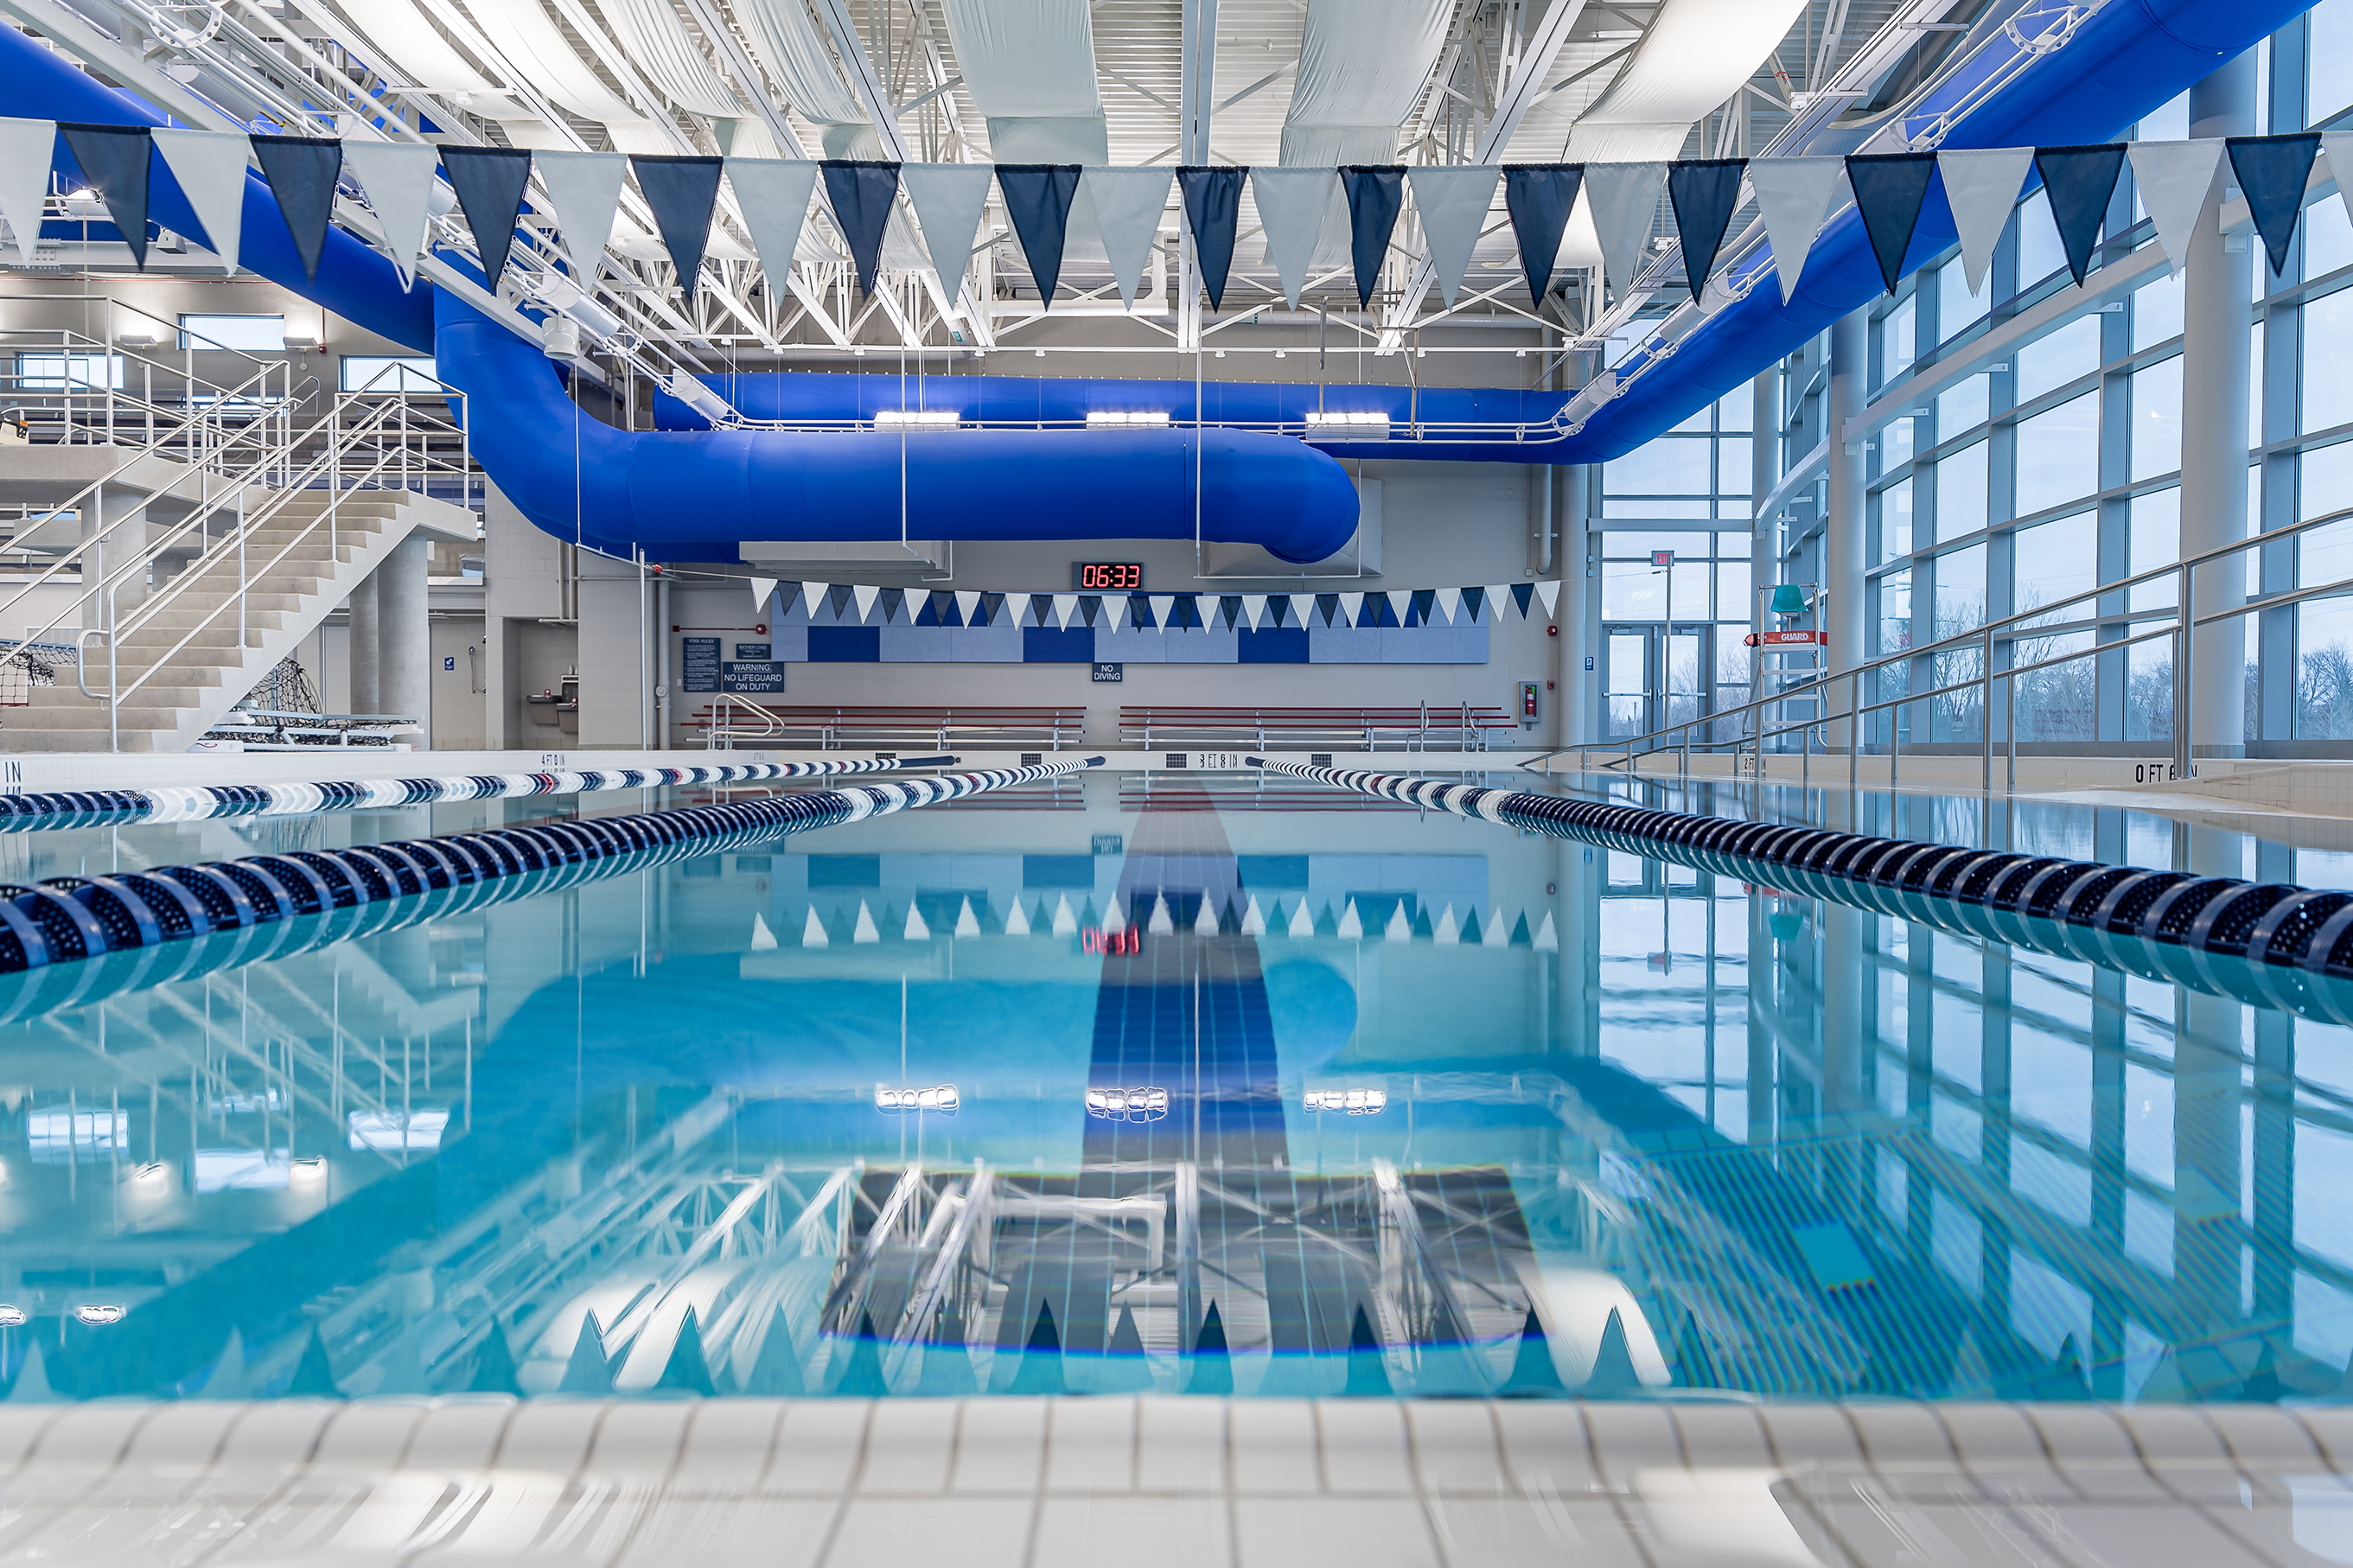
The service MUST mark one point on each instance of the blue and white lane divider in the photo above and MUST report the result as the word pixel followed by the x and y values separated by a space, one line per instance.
pixel 66 918
pixel 2274 943
pixel 80 808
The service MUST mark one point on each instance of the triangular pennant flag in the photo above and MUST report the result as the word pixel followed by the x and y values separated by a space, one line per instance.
pixel 1352 609
pixel 1041 1368
pixel 1623 199
pixel 1063 605
pixel 776 1371
pixel 967 923
pixel 1532 1371
pixel 1038 199
pixel 1368 1372
pixel 1981 185
pixel 1548 938
pixel 687 1371
pixel 968 601
pixel 588 1371
pixel 1539 197
pixel 1066 923
pixel 1793 196
pixel 917 929
pixel 115 159
pixel 1213 200
pixel 1447 933
pixel 865 932
pixel 1253 606
pixel 1162 604
pixel 1376 197
pixel 494 1365
pixel 863 596
pixel 1213 1363
pixel 490 183
pixel 398 177
pixel 28 147
pixel 762 587
pixel 1128 203
pixel 1352 924
pixel 1494 594
pixel 1548 590
pixel 2271 172
pixel 584 191
pixel 2079 181
pixel 862 194
pixel 1522 594
pixel 2337 144
pixel 774 196
pixel 2173 180
pixel 681 190
pixel 763 938
pixel 1253 918
pixel 813 594
pixel 301 171
pixel 1399 928
pixel 1445 599
pixel 1399 601
pixel 862 1377
pixel 1890 188
pixel 1704 192
pixel 1017 921
pixel 949 199
pixel 1454 199
pixel 1291 206
pixel 210 167
pixel 1302 924
pixel 314 1376
pixel 1205 920
pixel 1613 1362
pixel 813 931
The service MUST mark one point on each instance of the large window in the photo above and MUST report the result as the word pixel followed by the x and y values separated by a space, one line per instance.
pixel 386 372
pixel 65 371
pixel 248 335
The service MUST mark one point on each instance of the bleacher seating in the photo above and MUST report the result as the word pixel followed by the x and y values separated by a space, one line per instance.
pixel 734 721
pixel 1463 728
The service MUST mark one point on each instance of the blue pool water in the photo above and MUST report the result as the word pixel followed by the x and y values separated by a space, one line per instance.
pixel 1212 1085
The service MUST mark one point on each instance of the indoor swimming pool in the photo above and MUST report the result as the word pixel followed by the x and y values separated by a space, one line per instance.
pixel 1159 1083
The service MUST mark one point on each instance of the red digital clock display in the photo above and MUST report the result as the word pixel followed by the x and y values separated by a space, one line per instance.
pixel 1108 576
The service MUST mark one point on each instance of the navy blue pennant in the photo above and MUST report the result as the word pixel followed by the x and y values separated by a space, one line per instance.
pixel 1703 191
pixel 1037 198
pixel 490 183
pixel 1522 592
pixel 1539 197
pixel 1376 197
pixel 2271 172
pixel 301 171
pixel 862 194
pixel 1890 188
pixel 681 191
pixel 2078 180
pixel 113 158
pixel 1213 200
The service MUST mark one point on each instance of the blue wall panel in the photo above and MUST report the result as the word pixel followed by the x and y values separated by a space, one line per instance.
pixel 845 644
pixel 1045 645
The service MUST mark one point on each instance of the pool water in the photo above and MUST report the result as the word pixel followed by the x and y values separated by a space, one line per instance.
pixel 1200 1085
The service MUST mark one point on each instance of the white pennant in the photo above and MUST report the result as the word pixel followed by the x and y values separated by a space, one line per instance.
pixel 210 167
pixel 968 601
pixel 1453 199
pixel 761 588
pixel 2174 179
pixel 1445 606
pixel 865 596
pixel 1128 205
pixel 1352 605
pixel 1162 604
pixel 1107 613
pixel 1253 606
pixel 1548 591
pixel 1793 196
pixel 398 177
pixel 1064 606
pixel 949 199
pixel 26 149
pixel 1291 208
pixel 585 190
pixel 1982 184
pixel 1495 602
pixel 1623 201
pixel 813 594
pixel 1400 600
pixel 2337 147
pixel 773 195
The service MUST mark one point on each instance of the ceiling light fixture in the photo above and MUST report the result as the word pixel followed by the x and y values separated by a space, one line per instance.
pixel 1098 418
pixel 932 419
pixel 1348 419
pixel 1349 1101
pixel 1150 1104
pixel 942 1098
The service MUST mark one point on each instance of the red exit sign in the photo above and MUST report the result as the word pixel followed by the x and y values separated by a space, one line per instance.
pixel 1124 943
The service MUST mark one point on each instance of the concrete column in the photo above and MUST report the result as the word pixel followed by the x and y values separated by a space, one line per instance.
pixel 366 660
pixel 1764 472
pixel 1842 524
pixel 403 637
pixel 2214 375
pixel 1574 687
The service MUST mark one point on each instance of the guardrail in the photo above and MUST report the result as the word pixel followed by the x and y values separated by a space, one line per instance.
pixel 2179 630
pixel 1410 729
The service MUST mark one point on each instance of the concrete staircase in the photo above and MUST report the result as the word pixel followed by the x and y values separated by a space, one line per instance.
pixel 224 654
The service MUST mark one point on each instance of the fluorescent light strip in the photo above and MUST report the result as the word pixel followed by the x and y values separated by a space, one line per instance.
pixel 1346 417
pixel 892 418
pixel 1103 418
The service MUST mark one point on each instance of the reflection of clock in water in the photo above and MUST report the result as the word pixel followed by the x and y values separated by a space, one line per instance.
pixel 1107 576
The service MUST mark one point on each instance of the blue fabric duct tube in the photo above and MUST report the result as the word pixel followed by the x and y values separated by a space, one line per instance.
pixel 66 919
pixel 353 281
pixel 671 492
pixel 2273 943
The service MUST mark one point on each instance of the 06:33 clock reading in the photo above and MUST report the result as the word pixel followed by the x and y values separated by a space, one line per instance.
pixel 1107 576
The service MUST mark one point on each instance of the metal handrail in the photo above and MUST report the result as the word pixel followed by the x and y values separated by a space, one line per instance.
pixel 2180 616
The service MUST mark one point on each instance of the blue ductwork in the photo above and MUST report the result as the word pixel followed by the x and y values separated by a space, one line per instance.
pixel 689 495
pixel 2127 58
pixel 353 281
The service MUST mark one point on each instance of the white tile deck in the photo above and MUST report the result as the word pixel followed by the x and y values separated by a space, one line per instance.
pixel 1159 1483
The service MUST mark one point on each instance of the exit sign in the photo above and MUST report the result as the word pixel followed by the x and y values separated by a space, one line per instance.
pixel 1662 557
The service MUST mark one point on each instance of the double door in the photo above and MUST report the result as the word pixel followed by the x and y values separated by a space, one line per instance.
pixel 1654 676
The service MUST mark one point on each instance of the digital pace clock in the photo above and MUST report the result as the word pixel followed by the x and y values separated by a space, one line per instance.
pixel 1107 576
